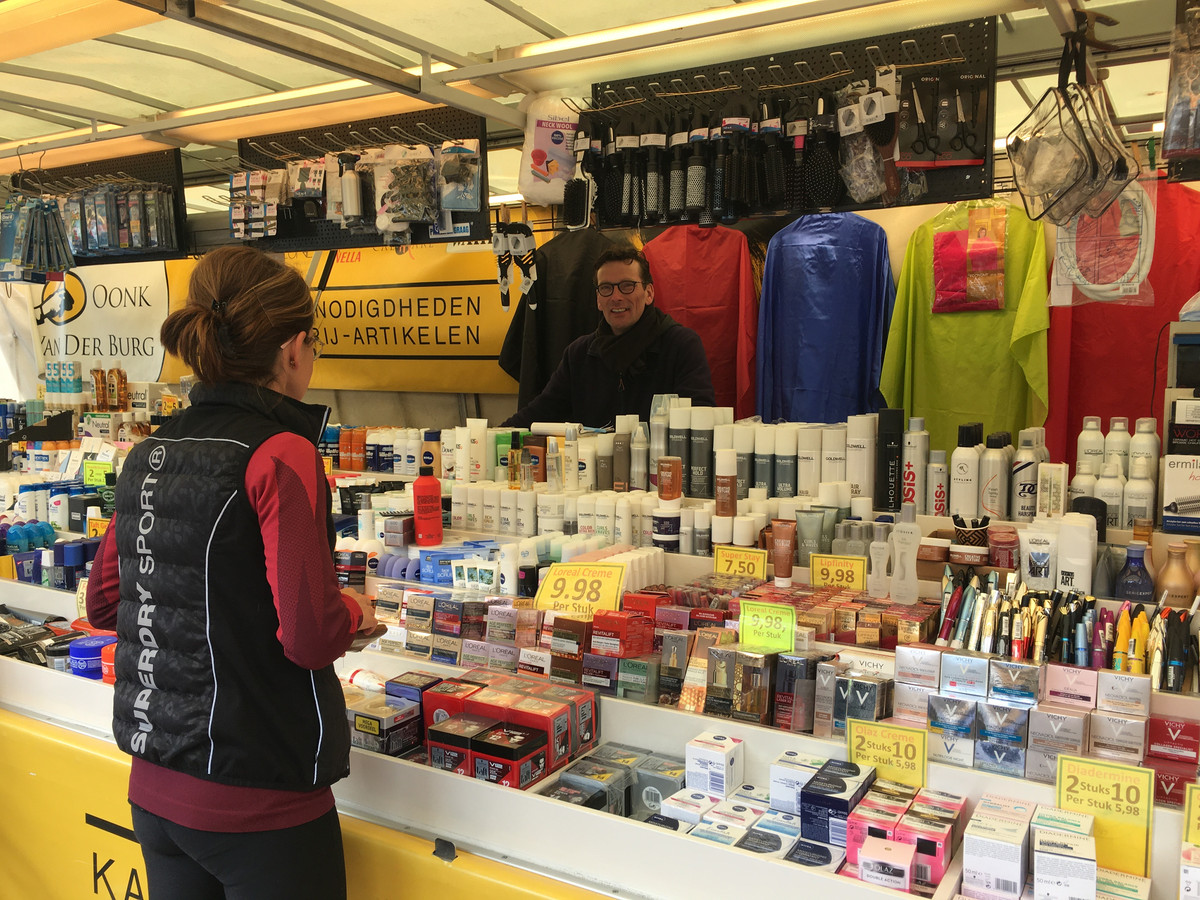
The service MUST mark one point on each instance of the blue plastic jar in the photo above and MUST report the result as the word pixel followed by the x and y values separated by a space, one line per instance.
pixel 85 655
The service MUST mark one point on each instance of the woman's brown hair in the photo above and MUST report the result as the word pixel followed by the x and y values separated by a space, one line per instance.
pixel 242 305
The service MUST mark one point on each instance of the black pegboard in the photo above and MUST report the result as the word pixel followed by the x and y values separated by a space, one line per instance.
pixel 971 50
pixel 161 167
pixel 301 232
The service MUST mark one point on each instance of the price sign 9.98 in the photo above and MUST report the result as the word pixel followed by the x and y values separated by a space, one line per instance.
pixel 767 626
pixel 838 571
pixel 579 589
pixel 747 561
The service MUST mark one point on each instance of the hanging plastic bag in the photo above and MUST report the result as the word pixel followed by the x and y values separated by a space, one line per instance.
pixel 1181 136
pixel 406 187
pixel 968 265
pixel 459 175
pixel 1107 259
pixel 548 155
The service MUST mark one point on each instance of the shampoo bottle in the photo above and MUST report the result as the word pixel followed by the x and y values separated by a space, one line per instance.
pixel 860 456
pixel 906 537
pixel 427 508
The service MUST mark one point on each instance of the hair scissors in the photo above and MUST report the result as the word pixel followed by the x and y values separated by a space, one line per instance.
pixel 925 140
pixel 964 135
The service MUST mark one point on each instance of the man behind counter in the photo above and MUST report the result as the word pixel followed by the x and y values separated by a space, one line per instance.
pixel 637 351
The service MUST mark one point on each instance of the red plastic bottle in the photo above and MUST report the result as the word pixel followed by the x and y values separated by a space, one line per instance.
pixel 427 508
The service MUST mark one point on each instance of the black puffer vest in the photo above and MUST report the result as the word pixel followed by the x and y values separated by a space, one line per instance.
pixel 203 685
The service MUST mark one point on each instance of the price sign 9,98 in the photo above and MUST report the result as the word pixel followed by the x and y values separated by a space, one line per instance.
pixel 579 589
pixel 767 626
pixel 747 561
pixel 838 571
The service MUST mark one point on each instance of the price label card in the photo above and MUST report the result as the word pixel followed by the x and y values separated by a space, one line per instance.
pixel 767 626
pixel 94 471
pixel 97 526
pixel 579 589
pixel 746 561
pixel 1122 800
pixel 1191 815
pixel 897 753
pixel 838 571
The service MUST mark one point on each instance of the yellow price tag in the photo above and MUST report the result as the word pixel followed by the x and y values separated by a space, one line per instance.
pixel 1122 800
pixel 767 626
pixel 838 571
pixel 579 589
pixel 94 471
pixel 746 561
pixel 897 753
pixel 327 462
pixel 96 526
pixel 1191 814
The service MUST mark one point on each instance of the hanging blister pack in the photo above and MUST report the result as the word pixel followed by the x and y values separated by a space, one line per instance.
pixel 1181 135
pixel 523 246
pixel 405 187
pixel 306 178
pixel 459 184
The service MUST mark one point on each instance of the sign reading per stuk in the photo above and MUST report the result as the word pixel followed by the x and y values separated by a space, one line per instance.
pixel 579 589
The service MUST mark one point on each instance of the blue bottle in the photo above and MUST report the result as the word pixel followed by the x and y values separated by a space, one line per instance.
pixel 1134 582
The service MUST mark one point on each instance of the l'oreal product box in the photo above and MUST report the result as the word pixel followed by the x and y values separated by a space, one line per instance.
pixel 825 804
pixel 621 633
pixel 492 702
pixel 718 696
pixel 503 658
pixel 714 763
pixel 446 650
pixel 600 672
pixel 1064 865
pixel 535 662
pixel 510 755
pixel 661 821
pixel 418 644
pixel 566 669
pixel 1174 739
pixel 1179 491
pixel 385 727
pixel 450 742
pixel 785 823
pixel 965 672
pixel 734 812
pixel 551 718
pixel 673 618
pixel 824 696
pixel 637 679
pixel 795 690
pixel 790 771
pixel 444 700
pixel 911 701
pixel 886 863
pixel 688 805
pixel 816 855
pixel 1054 819
pixel 501 625
pixel 474 653
pixel 1061 729
pixel 1113 885
pixel 933 839
pixel 1012 679
pixel 656 778
pixel 571 637
pixel 1117 736
pixel 919 664
pixel 1123 692
pixel 676 648
pixel 1171 780
pixel 995 855
pixel 418 610
pixel 719 833
pixel 951 723
pixel 766 843
pixel 753 679
pixel 1070 685
pixel 613 777
pixel 864 822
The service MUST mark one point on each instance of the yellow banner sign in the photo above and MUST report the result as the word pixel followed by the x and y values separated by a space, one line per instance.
pixel 579 589
pixel 1121 798
pixel 767 626
pixel 897 753
pixel 838 571
pixel 1191 814
pixel 746 561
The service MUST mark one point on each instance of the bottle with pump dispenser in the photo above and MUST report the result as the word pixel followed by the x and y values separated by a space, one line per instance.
pixel 1090 443
pixel 964 475
pixel 1111 491
pixel 993 478
pixel 906 538
pixel 914 462
pixel 937 485
pixel 1025 463
pixel 1138 499
pixel 1117 442
pixel 879 553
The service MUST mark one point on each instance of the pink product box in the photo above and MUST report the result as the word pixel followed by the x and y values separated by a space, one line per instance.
pixel 864 822
pixel 934 840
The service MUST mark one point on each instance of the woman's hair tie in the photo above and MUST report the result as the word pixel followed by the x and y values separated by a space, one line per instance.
pixel 218 305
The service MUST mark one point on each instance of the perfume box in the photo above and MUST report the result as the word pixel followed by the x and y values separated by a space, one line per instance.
pixel 510 755
pixel 1070 685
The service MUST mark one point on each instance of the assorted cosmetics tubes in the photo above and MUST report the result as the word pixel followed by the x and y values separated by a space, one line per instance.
pixel 49 640
pixel 1015 717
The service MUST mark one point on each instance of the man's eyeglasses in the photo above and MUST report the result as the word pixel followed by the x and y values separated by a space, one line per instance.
pixel 605 288
pixel 318 345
